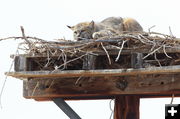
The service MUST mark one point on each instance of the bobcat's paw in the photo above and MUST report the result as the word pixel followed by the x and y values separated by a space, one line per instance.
pixel 97 35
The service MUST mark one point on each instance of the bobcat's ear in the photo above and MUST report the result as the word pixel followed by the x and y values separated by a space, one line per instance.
pixel 91 24
pixel 71 27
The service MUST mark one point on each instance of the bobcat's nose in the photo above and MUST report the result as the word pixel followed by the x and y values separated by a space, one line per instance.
pixel 78 34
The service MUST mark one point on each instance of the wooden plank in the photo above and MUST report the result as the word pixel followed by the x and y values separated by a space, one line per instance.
pixel 102 86
pixel 126 107
pixel 87 73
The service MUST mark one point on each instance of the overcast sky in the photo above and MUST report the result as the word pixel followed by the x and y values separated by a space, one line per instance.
pixel 47 19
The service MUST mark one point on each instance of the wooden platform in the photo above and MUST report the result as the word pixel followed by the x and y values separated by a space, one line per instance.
pixel 106 73
pixel 95 83
pixel 126 86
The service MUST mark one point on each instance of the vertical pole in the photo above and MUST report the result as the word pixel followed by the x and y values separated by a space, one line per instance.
pixel 127 106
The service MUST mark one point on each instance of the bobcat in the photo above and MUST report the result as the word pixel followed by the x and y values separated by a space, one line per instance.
pixel 108 27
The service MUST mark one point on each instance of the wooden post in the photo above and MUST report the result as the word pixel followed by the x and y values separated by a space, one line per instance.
pixel 136 60
pixel 89 62
pixel 127 107
pixel 20 63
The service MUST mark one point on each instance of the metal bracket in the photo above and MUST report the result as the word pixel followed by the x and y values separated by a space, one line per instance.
pixel 66 108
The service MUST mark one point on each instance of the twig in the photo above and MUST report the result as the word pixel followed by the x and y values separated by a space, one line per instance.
pixel 152 52
pixel 51 83
pixel 112 111
pixel 146 39
pixel 154 45
pixel 140 39
pixel 122 46
pixel 20 37
pixel 172 99
pixel 170 32
pixel 164 49
pixel 37 84
pixel 77 81
pixel 24 37
pixel 106 53
pixel 48 58
pixel 64 58
pixel 71 61
pixel 161 34
pixel 4 83
pixel 155 57
pixel 151 28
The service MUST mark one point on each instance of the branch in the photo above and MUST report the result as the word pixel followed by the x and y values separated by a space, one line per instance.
pixel 24 37
pixel 106 53
pixel 122 45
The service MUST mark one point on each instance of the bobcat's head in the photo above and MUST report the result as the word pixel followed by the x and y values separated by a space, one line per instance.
pixel 83 30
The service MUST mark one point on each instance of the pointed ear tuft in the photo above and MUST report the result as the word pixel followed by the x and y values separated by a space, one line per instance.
pixel 71 27
pixel 91 24
pixel 68 26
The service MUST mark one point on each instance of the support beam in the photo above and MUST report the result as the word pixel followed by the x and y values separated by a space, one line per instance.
pixel 66 108
pixel 102 86
pixel 126 107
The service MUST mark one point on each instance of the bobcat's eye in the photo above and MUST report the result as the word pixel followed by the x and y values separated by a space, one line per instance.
pixel 75 32
pixel 83 30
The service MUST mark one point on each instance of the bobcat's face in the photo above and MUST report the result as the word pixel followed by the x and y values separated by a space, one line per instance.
pixel 83 30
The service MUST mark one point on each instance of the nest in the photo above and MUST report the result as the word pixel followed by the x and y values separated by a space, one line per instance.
pixel 130 41
pixel 114 51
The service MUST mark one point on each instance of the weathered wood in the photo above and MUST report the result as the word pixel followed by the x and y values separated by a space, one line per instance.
pixel 66 108
pixel 126 107
pixel 20 63
pixel 87 73
pixel 137 60
pixel 102 86
pixel 89 62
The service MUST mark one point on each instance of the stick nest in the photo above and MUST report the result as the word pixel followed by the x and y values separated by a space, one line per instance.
pixel 147 43
pixel 150 43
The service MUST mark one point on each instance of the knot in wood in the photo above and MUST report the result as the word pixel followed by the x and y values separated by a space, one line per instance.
pixel 121 84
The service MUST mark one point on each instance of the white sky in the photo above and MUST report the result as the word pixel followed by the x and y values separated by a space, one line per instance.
pixel 47 19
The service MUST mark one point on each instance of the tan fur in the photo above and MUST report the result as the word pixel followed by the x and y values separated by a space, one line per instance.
pixel 130 24
pixel 83 30
pixel 108 27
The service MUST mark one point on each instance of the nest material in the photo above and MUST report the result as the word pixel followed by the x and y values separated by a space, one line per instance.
pixel 153 42
pixel 72 52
